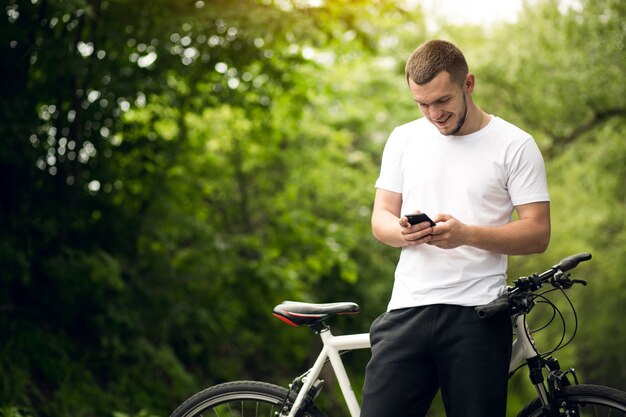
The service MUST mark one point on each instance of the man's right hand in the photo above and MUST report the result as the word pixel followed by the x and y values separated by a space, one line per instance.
pixel 415 234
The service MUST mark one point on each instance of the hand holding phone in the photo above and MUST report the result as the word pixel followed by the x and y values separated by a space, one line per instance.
pixel 419 218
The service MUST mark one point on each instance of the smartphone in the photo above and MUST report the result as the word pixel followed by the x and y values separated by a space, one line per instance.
pixel 419 218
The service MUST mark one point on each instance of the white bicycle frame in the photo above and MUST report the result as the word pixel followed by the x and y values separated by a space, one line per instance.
pixel 523 348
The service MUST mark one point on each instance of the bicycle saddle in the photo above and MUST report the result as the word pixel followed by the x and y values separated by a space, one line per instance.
pixel 297 314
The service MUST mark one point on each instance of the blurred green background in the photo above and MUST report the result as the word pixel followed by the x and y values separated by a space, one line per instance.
pixel 171 170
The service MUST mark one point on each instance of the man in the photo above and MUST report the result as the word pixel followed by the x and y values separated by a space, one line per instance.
pixel 468 171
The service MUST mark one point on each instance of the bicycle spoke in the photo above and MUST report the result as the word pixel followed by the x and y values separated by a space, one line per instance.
pixel 597 410
pixel 240 408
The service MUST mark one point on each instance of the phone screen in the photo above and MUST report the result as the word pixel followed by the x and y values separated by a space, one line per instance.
pixel 419 218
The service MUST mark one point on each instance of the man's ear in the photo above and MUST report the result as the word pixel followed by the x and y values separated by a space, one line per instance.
pixel 470 83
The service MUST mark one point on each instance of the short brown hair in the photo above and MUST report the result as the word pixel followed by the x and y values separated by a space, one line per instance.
pixel 432 57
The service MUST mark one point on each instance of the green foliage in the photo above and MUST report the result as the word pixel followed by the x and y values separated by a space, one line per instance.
pixel 172 170
pixel 142 413
pixel 12 412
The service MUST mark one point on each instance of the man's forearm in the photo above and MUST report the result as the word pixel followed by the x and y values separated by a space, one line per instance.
pixel 386 229
pixel 521 237
pixel 529 234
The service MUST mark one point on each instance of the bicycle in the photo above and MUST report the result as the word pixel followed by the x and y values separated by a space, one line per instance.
pixel 559 393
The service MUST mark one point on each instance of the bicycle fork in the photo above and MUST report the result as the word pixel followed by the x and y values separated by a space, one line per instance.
pixel 550 394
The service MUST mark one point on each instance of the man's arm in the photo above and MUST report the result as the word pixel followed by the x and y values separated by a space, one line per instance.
pixel 529 234
pixel 389 228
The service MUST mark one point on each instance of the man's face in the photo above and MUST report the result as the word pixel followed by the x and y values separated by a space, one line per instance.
pixel 443 102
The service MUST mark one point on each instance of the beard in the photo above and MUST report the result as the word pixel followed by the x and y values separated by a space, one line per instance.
pixel 461 121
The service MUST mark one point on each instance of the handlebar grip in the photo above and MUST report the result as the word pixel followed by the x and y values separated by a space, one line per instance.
pixel 497 305
pixel 572 261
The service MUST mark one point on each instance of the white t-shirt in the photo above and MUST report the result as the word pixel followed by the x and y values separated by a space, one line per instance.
pixel 478 179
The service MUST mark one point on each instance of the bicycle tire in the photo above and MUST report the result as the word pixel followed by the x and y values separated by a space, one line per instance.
pixel 239 399
pixel 587 400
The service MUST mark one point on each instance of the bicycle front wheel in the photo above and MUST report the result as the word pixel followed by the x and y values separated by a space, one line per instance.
pixel 584 401
pixel 239 399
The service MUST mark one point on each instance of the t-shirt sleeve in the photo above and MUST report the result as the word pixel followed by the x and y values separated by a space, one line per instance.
pixel 527 181
pixel 390 177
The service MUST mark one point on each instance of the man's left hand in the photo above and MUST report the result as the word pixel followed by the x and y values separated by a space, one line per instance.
pixel 449 232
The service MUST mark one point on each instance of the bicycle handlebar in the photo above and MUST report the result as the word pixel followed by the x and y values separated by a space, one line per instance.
pixel 497 305
pixel 572 262
pixel 531 283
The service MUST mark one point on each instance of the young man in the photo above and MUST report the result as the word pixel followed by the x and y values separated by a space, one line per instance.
pixel 468 171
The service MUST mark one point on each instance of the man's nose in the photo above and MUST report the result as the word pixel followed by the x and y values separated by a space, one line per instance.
pixel 435 112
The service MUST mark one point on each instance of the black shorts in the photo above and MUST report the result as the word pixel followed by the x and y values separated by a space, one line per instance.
pixel 416 351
